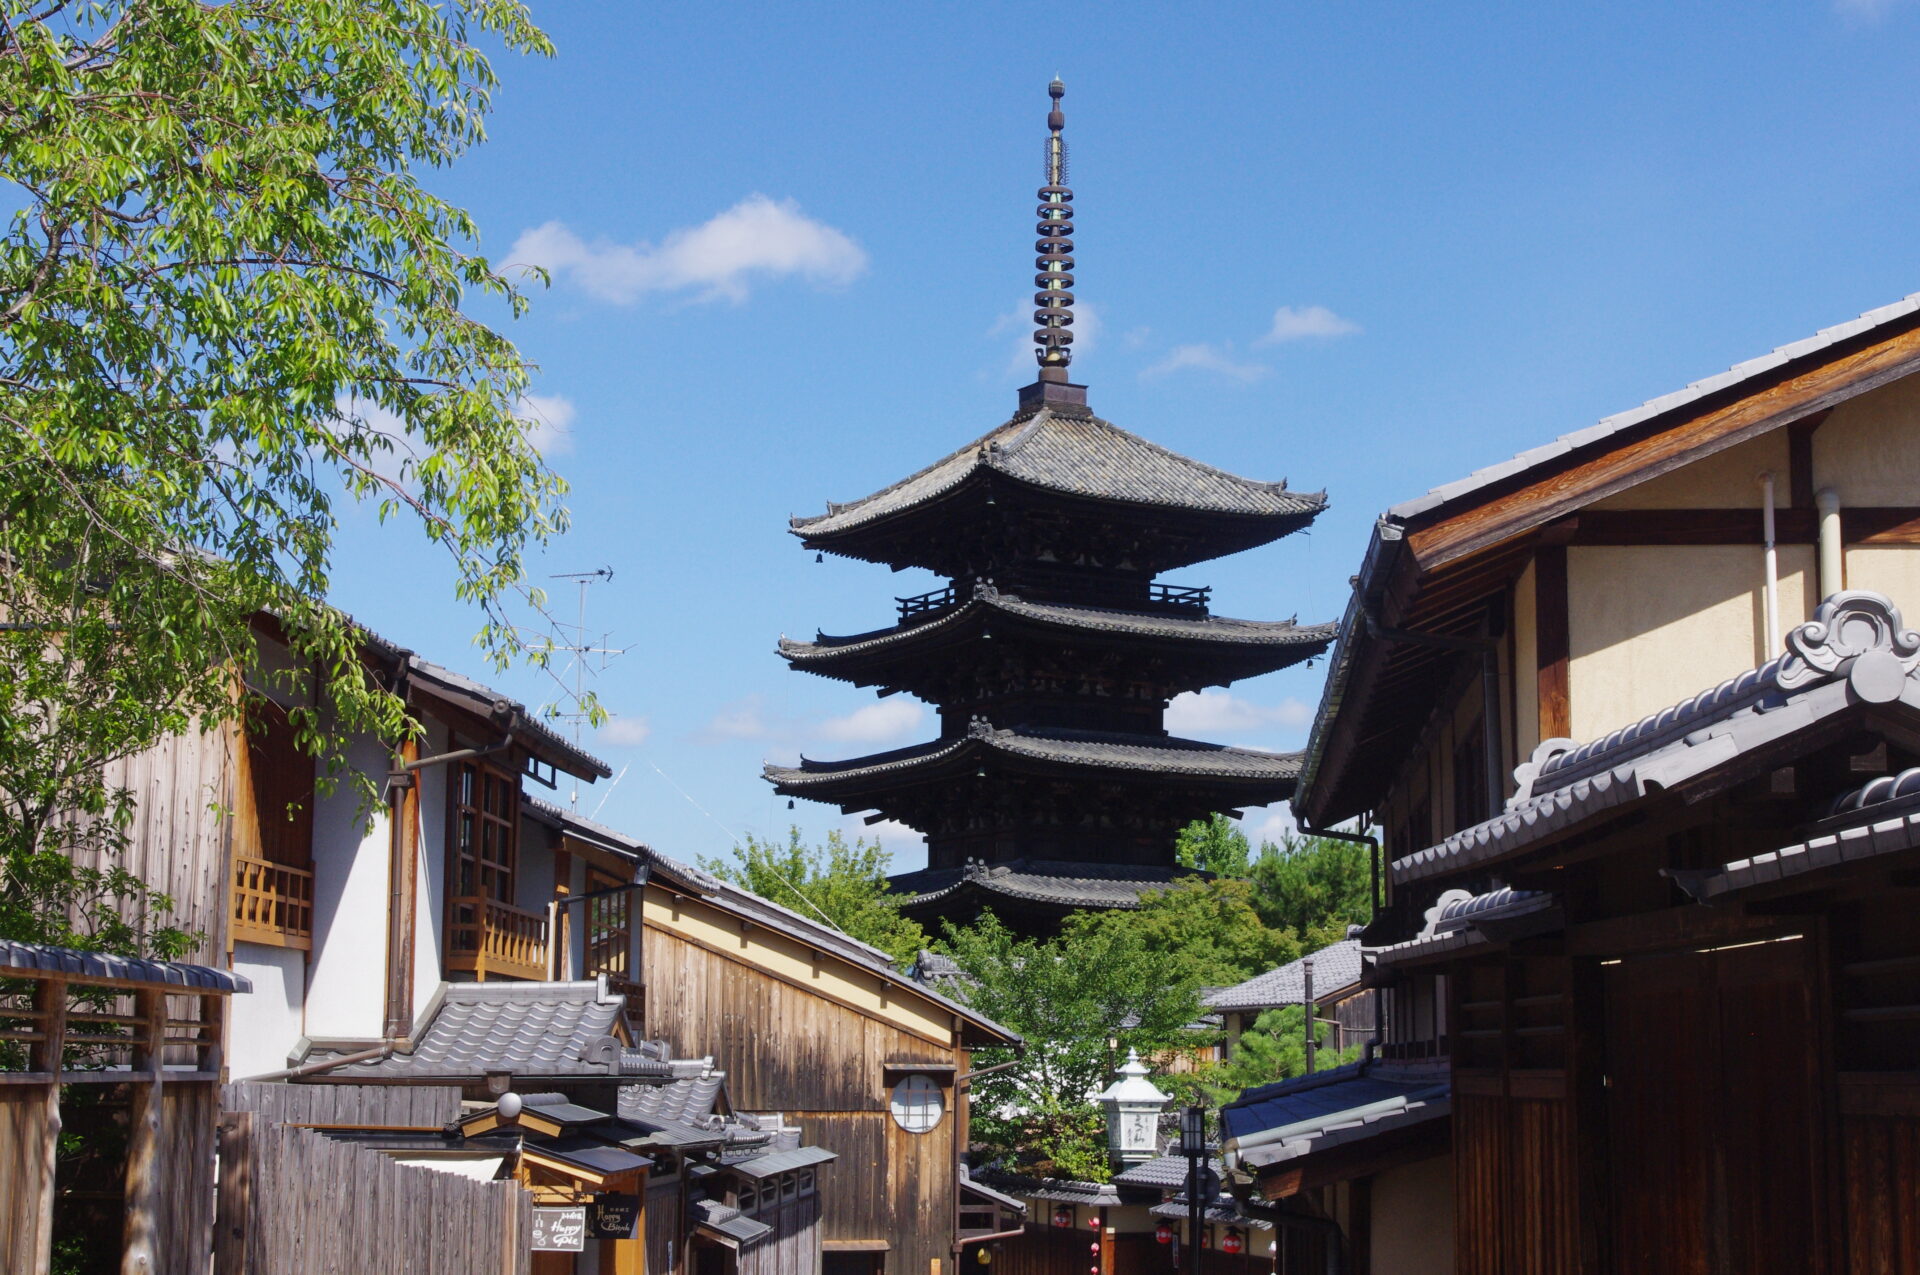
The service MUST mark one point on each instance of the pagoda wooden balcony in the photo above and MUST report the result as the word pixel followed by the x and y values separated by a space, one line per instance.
pixel 272 903
pixel 1039 585
pixel 491 939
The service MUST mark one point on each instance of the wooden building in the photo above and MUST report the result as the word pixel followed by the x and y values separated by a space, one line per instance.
pixel 1333 978
pixel 1054 649
pixel 810 1023
pixel 1664 1048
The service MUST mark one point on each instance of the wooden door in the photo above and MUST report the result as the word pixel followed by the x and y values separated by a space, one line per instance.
pixel 1710 1096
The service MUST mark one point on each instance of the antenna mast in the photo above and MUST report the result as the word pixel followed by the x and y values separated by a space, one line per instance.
pixel 580 646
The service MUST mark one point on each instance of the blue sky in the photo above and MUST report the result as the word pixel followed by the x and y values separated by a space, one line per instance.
pixel 1363 247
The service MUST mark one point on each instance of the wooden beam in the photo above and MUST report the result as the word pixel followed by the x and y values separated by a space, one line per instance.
pixel 1632 461
pixel 50 1003
pixel 1552 641
pixel 1865 525
pixel 139 1252
pixel 1800 460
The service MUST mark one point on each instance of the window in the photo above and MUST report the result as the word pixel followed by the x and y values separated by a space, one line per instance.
pixel 916 1103
pixel 482 839
pixel 805 1179
pixel 788 1187
pixel 609 927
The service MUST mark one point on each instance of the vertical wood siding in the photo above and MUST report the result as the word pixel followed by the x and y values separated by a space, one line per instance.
pixel 364 1106
pixel 1515 1204
pixel 1881 1159
pixel 316 1206
pixel 189 1116
pixel 794 1246
pixel 823 1065
pixel 665 1232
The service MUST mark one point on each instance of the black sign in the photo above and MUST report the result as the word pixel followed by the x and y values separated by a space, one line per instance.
pixel 564 1230
pixel 611 1217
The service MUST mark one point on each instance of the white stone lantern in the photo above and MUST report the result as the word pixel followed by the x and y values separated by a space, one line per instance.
pixel 1133 1108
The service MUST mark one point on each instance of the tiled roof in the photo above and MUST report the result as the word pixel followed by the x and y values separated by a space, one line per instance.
pixel 81 966
pixel 729 1222
pixel 1297 1117
pixel 1224 1211
pixel 1095 750
pixel 528 1029
pixel 1652 408
pixel 1163 1173
pixel 1064 883
pixel 1335 967
pixel 684 1099
pixel 1882 817
pixel 1218 630
pixel 776 1162
pixel 1057 1190
pixel 574 824
pixel 1855 649
pixel 1076 453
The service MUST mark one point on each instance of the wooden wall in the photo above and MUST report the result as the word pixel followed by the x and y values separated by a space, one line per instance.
pixel 179 839
pixel 303 1204
pixel 1515 1204
pixel 665 1231
pixel 1880 1156
pixel 353 1106
pixel 824 1065
pixel 794 1246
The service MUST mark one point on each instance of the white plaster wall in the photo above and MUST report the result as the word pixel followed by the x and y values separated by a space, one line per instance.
pixel 1413 1218
pixel 1652 625
pixel 1890 569
pixel 430 902
pixel 1868 450
pixel 346 977
pixel 267 1021
pixel 1727 479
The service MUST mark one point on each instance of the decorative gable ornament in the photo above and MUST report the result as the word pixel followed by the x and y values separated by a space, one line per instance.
pixel 1133 1108
pixel 1861 631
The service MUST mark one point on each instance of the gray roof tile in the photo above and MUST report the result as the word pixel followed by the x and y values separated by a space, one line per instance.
pixel 81 965
pixel 1079 454
pixel 1062 882
pixel 1335 967
pixel 1098 750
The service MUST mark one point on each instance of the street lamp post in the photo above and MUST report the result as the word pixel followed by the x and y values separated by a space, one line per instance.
pixel 1193 1143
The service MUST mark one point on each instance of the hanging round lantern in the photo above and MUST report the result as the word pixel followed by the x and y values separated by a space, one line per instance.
pixel 1163 1233
pixel 1232 1243
pixel 1063 1215
pixel 1094 1248
pixel 1093 1221
pixel 982 1256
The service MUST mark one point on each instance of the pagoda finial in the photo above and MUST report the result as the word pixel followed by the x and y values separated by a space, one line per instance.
pixel 1053 304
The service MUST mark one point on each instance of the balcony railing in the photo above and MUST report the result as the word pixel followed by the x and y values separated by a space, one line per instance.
pixel 491 938
pixel 1039 584
pixel 926 603
pixel 272 903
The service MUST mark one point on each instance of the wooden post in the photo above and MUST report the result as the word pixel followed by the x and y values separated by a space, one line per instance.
pixel 232 1223
pixel 50 1002
pixel 1552 640
pixel 138 1253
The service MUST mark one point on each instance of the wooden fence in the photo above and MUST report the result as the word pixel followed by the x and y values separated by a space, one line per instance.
pixel 346 1106
pixel 295 1202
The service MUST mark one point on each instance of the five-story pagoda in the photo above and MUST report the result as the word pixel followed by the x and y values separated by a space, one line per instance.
pixel 1053 653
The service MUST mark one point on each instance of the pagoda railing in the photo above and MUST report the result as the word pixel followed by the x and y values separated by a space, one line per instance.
pixel 1041 585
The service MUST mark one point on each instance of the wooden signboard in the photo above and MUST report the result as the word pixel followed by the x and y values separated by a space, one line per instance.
pixel 612 1217
pixel 561 1230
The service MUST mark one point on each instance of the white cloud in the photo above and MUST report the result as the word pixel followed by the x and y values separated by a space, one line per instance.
pixel 1268 823
pixel 875 724
pixel 892 834
pixel 623 732
pixel 757 238
pixel 1290 324
pixel 549 419
pixel 1215 712
pixel 1204 358
pixel 742 719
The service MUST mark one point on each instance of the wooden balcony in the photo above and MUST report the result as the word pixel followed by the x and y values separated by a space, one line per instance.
pixel 496 940
pixel 272 903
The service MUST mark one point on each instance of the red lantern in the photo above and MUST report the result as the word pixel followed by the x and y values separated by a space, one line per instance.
pixel 1206 1237
pixel 1232 1243
pixel 1094 1248
pixel 1164 1233
pixel 1063 1215
pixel 1093 1221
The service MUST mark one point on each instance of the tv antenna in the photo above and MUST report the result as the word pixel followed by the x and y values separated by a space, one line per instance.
pixel 581 646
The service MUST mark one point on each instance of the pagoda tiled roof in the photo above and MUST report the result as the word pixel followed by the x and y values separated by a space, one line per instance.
pixel 1308 639
pixel 1060 883
pixel 1071 451
pixel 1095 750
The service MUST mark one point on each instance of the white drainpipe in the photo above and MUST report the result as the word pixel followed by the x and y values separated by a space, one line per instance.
pixel 1772 647
pixel 1833 562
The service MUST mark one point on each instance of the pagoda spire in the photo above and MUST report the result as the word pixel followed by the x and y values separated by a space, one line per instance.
pixel 1053 303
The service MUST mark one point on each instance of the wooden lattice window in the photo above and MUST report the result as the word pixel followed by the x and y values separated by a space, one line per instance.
pixel 483 839
pixel 609 927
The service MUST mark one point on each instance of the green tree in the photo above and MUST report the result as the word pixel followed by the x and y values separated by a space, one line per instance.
pixel 1080 999
pixel 1314 886
pixel 1214 844
pixel 844 885
pixel 1272 1049
pixel 226 301
pixel 1205 931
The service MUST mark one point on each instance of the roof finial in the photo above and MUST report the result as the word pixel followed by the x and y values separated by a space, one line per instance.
pixel 1053 304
